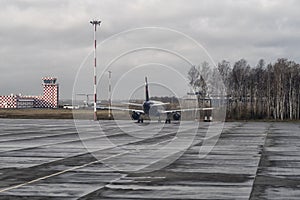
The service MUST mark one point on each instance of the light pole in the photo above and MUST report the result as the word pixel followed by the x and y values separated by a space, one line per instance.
pixel 109 94
pixel 95 23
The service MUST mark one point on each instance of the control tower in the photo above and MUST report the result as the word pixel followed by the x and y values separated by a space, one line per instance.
pixel 49 99
pixel 50 93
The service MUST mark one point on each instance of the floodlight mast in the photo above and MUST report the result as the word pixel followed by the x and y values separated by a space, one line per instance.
pixel 95 23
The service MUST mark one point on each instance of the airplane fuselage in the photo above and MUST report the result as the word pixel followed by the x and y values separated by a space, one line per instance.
pixel 149 109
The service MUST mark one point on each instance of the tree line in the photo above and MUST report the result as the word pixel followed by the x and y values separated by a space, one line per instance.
pixel 264 91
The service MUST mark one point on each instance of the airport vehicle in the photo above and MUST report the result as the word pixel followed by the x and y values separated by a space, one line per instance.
pixel 155 108
pixel 69 106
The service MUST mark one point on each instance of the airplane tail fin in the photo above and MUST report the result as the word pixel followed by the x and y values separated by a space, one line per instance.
pixel 146 89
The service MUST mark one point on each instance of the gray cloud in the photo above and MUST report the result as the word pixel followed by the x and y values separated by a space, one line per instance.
pixel 52 37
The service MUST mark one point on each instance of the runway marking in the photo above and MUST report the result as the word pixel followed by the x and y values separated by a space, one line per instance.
pixel 70 169
pixel 57 173
pixel 90 163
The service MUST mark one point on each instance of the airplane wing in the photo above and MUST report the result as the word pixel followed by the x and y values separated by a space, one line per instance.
pixel 141 105
pixel 126 109
pixel 185 110
pixel 160 104
pixel 133 104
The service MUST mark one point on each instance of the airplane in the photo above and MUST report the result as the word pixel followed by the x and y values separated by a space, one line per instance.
pixel 153 108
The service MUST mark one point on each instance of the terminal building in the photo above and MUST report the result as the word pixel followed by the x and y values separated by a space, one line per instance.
pixel 49 99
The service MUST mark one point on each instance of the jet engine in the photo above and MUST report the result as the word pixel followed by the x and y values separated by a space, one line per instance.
pixel 135 115
pixel 176 116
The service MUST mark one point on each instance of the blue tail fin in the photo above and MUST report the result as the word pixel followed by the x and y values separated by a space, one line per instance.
pixel 146 89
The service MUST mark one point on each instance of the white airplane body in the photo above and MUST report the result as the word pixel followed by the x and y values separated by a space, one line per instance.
pixel 154 108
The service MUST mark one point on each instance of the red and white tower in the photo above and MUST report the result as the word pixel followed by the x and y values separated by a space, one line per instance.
pixel 50 96
pixel 95 23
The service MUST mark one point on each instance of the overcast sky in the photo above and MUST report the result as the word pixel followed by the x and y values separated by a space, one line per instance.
pixel 53 37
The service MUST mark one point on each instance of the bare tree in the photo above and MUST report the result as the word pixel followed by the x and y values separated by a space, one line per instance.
pixel 193 76
pixel 270 91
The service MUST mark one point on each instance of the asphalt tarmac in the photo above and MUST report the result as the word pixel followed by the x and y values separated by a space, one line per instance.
pixel 63 159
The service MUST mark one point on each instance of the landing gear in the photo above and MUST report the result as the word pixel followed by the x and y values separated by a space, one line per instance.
pixel 140 120
pixel 168 120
